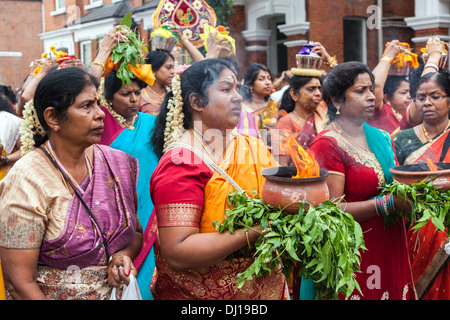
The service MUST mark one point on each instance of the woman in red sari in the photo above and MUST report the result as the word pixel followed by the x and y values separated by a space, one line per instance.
pixel 429 140
pixel 358 158
pixel 203 160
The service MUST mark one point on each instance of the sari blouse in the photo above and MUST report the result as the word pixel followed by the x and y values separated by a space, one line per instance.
pixel 187 193
pixel 39 210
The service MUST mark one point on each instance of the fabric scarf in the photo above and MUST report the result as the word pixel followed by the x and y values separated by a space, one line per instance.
pixel 380 144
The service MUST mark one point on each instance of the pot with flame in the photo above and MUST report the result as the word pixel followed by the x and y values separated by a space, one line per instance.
pixel 303 182
pixel 413 173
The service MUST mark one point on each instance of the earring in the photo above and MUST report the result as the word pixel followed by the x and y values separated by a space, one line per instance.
pixel 338 108
pixel 56 128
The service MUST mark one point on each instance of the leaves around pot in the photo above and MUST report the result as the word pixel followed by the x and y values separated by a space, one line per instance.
pixel 325 241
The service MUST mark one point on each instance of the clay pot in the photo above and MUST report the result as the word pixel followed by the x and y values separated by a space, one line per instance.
pixel 280 189
pixel 413 173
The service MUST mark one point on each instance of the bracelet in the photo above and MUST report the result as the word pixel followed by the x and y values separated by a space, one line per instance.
pixel 432 65
pixel 384 205
pixel 101 64
pixel 248 241
pixel 333 62
pixel 387 59
pixel 37 76
pixel 114 254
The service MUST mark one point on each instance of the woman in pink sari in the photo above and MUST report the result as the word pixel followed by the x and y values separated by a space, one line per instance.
pixel 68 225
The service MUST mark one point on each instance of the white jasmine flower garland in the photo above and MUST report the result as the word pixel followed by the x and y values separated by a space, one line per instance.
pixel 29 127
pixel 175 116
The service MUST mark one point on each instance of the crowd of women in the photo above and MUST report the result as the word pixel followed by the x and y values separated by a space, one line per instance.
pixel 118 180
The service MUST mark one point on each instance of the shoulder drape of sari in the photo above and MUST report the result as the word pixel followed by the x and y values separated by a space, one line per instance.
pixel 426 245
pixel 197 197
pixel 137 144
pixel 385 119
pixel 111 128
pixel 364 178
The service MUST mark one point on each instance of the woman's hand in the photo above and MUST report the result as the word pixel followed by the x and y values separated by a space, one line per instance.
pixel 393 49
pixel 402 205
pixel 119 270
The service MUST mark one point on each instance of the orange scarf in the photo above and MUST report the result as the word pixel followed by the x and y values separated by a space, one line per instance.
pixel 244 160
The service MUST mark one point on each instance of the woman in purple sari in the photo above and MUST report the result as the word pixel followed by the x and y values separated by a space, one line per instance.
pixel 68 222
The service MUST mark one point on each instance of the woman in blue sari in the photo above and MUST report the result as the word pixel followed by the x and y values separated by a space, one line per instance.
pixel 127 129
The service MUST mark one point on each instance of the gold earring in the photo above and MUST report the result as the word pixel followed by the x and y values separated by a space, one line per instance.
pixel 338 108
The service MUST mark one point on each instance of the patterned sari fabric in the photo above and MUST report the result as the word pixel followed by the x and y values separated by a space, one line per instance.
pixel 427 246
pixel 385 269
pixel 187 193
pixel 288 126
pixel 385 119
pixel 9 134
pixel 254 123
pixel 39 211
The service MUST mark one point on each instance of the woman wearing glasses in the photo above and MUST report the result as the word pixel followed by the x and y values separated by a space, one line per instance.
pixel 430 139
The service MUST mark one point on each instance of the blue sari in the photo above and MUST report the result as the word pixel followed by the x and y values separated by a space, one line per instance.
pixel 381 146
pixel 137 144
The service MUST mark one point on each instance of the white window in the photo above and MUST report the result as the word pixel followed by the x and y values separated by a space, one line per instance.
pixel 60 5
pixel 355 40
pixel 94 1
pixel 86 52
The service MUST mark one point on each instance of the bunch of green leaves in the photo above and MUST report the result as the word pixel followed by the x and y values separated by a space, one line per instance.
pixel 129 50
pixel 323 241
pixel 429 203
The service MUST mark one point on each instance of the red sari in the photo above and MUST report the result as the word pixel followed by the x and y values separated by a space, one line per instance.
pixel 385 119
pixel 385 269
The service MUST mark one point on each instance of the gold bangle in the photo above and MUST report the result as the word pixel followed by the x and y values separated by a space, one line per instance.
pixel 100 64
pixel 248 241
pixel 387 59
pixel 111 256
pixel 37 76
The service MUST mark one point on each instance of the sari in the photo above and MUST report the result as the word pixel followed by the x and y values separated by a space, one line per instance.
pixel 136 143
pixel 187 193
pixel 385 272
pixel 39 211
pixel 385 119
pixel 9 134
pixel 430 268
pixel 255 123
pixel 288 126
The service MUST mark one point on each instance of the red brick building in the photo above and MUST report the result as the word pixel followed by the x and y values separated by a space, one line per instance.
pixel 266 31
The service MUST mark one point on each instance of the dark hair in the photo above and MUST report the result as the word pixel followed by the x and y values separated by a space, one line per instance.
pixel 5 105
pixel 157 58
pixel 114 84
pixel 392 83
pixel 59 89
pixel 8 93
pixel 249 79
pixel 195 80
pixel 339 80
pixel 296 83
pixel 442 78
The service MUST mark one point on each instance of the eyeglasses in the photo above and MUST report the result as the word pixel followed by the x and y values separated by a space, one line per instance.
pixel 435 98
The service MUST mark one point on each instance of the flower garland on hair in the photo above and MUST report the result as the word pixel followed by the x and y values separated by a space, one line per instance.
pixel 175 116
pixel 29 127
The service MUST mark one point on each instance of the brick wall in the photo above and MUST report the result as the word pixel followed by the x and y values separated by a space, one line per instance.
pixel 236 24
pixel 21 23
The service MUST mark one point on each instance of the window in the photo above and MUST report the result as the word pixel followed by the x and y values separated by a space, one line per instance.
pixel 355 40
pixel 94 1
pixel 60 4
pixel 86 52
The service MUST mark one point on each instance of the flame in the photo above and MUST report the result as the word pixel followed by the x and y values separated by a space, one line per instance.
pixel 431 165
pixel 307 166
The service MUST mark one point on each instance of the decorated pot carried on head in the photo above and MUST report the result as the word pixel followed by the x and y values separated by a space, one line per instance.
pixel 403 62
pixel 308 62
pixel 222 33
pixel 444 56
pixel 163 39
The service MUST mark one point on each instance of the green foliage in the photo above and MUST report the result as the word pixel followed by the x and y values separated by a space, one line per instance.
pixel 323 240
pixel 429 203
pixel 223 8
pixel 129 50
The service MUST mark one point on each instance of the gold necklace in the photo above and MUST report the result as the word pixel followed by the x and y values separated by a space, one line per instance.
pixel 340 131
pixel 397 114
pixel 153 101
pixel 426 135
pixel 203 145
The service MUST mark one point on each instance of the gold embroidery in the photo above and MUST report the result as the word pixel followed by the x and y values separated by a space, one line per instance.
pixel 361 156
pixel 179 214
